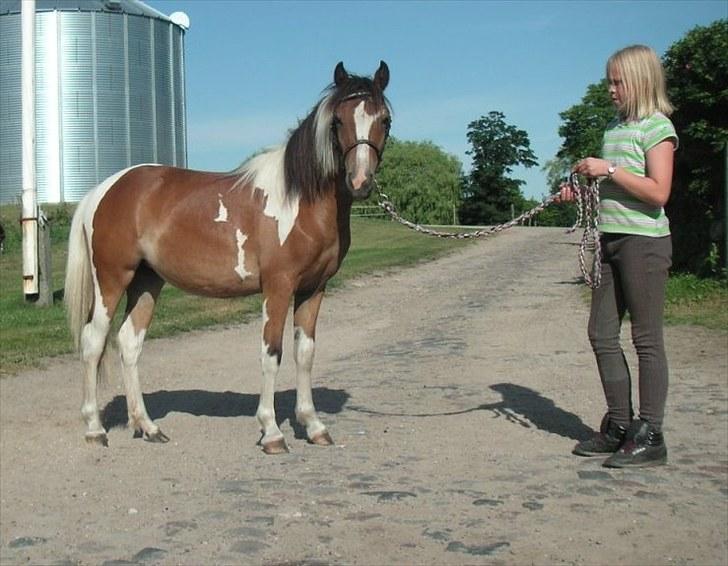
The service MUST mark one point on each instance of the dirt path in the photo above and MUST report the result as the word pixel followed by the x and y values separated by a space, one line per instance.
pixel 454 391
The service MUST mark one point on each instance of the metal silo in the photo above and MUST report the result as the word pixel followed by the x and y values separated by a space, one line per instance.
pixel 109 93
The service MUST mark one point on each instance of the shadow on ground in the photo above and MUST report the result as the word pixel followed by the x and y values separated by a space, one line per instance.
pixel 220 404
pixel 519 405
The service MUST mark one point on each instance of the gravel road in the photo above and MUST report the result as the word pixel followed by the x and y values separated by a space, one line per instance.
pixel 454 391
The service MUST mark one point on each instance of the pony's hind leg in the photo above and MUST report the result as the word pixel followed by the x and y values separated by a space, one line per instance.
pixel 93 349
pixel 92 346
pixel 306 309
pixel 142 295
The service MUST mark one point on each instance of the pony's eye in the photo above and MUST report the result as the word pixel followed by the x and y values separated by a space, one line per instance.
pixel 336 122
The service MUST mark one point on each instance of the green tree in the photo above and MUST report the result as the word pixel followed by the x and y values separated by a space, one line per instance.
pixel 584 124
pixel 496 148
pixel 582 129
pixel 557 214
pixel 421 180
pixel 697 78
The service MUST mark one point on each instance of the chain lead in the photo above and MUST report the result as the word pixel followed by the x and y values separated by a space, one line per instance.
pixel 587 215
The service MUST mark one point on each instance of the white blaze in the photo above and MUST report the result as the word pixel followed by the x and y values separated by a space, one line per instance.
pixel 363 123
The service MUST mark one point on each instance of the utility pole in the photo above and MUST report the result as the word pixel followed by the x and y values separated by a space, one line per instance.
pixel 37 285
pixel 29 213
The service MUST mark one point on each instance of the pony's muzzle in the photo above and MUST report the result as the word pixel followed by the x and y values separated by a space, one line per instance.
pixel 360 184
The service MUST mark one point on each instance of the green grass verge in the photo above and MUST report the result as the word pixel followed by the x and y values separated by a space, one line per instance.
pixel 691 300
pixel 29 335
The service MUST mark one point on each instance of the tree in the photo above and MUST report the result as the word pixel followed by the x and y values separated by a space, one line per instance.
pixel 497 147
pixel 421 180
pixel 584 124
pixel 697 78
pixel 582 128
pixel 557 214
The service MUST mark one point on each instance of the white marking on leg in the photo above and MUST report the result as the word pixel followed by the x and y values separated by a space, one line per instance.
pixel 130 347
pixel 303 351
pixel 93 342
pixel 266 414
pixel 222 213
pixel 240 268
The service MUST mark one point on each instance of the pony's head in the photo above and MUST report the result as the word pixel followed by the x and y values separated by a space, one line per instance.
pixel 361 121
pixel 346 130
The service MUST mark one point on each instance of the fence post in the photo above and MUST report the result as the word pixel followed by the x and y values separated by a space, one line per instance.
pixel 45 267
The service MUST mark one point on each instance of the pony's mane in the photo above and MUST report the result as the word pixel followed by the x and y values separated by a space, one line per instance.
pixel 311 157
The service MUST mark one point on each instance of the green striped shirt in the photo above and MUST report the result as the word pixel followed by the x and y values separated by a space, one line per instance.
pixel 625 145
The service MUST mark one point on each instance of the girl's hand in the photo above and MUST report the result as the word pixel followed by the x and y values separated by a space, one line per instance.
pixel 592 167
pixel 566 193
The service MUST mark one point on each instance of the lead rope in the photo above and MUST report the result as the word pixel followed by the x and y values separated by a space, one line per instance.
pixel 587 215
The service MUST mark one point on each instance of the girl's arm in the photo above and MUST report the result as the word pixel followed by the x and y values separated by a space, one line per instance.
pixel 654 188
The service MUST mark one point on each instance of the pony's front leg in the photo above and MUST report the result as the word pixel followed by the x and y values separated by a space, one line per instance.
pixel 275 307
pixel 306 311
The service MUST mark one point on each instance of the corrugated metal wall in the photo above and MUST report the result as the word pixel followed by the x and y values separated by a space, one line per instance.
pixel 110 93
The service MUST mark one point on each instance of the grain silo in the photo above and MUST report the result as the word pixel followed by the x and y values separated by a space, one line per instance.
pixel 109 93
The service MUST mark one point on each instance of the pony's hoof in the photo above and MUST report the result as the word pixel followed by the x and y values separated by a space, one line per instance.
pixel 158 437
pixel 97 438
pixel 277 446
pixel 321 439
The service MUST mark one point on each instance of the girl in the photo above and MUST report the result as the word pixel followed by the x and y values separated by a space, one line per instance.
pixel 636 172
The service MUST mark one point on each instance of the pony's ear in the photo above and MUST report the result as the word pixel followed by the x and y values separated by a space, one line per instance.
pixel 340 74
pixel 381 77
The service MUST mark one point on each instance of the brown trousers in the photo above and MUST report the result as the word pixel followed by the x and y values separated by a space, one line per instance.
pixel 634 275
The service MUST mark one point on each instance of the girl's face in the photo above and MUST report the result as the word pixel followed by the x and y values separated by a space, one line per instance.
pixel 616 87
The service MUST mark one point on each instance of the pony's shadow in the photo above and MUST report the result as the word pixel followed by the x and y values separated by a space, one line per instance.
pixel 519 405
pixel 222 404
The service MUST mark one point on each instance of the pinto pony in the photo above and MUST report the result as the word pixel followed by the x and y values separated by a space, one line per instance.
pixel 279 225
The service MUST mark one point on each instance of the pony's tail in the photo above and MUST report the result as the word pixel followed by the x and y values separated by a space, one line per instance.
pixel 78 293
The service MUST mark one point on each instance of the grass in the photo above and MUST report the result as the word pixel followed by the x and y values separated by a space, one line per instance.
pixel 691 300
pixel 29 335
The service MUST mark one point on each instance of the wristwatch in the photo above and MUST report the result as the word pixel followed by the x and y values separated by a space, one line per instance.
pixel 611 170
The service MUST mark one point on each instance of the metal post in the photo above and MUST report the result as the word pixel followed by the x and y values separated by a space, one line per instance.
pixel 725 211
pixel 29 214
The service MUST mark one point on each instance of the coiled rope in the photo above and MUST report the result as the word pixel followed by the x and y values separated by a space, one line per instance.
pixel 587 216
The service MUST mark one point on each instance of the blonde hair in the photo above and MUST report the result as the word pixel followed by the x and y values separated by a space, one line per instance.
pixel 643 80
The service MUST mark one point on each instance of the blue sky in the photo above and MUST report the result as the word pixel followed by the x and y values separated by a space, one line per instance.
pixel 255 68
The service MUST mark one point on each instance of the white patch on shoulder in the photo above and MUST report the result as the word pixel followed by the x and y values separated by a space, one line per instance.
pixel 222 213
pixel 240 268
pixel 266 173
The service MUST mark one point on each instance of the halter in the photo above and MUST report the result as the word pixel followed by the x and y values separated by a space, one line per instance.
pixel 364 142
pixel 357 143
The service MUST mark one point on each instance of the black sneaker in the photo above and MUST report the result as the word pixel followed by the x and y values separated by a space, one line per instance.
pixel 643 446
pixel 606 441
